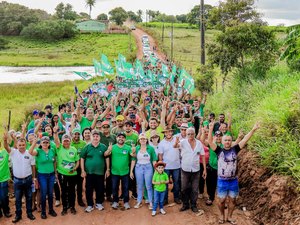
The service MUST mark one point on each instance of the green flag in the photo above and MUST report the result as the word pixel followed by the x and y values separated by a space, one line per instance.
pixel 119 69
pixel 189 81
pixel 98 67
pixel 165 70
pixel 84 75
pixel 106 66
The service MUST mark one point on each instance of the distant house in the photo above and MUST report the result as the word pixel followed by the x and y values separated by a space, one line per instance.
pixel 92 26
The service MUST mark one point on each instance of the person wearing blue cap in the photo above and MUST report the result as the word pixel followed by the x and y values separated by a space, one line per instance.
pixel 35 114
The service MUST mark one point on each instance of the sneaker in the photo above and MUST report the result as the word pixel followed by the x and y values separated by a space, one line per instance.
pixel 64 212
pixel 73 210
pixel 89 209
pixel 126 206
pixel 153 213
pixel 138 205
pixel 147 201
pixel 115 205
pixel 162 211
pixel 200 196
pixel 150 206
pixel 57 203
pixel 99 207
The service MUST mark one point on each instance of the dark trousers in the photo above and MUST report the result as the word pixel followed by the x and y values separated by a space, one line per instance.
pixel 46 182
pixel 190 185
pixel 56 190
pixel 211 182
pixel 108 186
pixel 202 180
pixel 79 181
pixel 23 186
pixel 132 186
pixel 125 187
pixel 176 187
pixel 4 201
pixel 94 182
pixel 67 185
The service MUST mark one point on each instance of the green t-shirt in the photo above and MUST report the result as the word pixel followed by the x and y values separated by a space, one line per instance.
pixel 94 160
pixel 213 158
pixel 66 160
pixel 67 116
pixel 106 140
pixel 131 139
pixel 30 125
pixel 45 162
pixel 85 123
pixel 79 146
pixel 4 167
pixel 200 111
pixel 120 159
pixel 157 177
pixel 159 130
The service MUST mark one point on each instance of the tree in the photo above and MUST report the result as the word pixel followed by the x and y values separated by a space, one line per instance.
pixel 204 81
pixel 292 48
pixel 232 13
pixel 90 4
pixel 102 16
pixel 152 14
pixel 194 15
pixel 15 17
pixel 139 14
pixel 245 46
pixel 181 18
pixel 65 12
pixel 133 17
pixel 118 15
pixel 84 16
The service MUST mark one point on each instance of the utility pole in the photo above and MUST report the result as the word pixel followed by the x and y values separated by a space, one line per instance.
pixel 163 33
pixel 202 36
pixel 172 41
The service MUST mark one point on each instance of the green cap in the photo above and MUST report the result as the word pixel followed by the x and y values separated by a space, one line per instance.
pixel 45 134
pixel 75 131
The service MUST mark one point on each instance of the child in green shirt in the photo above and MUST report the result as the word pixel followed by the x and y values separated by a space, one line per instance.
pixel 159 180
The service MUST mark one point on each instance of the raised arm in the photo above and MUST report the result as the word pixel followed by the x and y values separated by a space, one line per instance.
pixel 248 136
pixel 32 150
pixel 6 146
pixel 55 134
pixel 211 143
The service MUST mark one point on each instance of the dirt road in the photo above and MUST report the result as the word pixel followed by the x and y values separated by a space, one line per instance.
pixel 133 216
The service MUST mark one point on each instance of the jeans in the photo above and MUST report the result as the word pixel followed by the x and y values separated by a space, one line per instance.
pixel 4 201
pixel 46 181
pixel 67 185
pixel 94 182
pixel 23 186
pixel 201 181
pixel 159 197
pixel 144 174
pixel 175 173
pixel 115 187
pixel 190 186
pixel 56 190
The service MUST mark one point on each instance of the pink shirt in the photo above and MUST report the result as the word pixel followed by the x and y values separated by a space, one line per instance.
pixel 206 150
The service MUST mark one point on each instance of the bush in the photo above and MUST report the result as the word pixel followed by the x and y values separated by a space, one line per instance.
pixel 3 43
pixel 50 30
pixel 204 81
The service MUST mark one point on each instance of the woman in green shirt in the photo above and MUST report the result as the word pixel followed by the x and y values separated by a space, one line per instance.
pixel 145 160
pixel 45 163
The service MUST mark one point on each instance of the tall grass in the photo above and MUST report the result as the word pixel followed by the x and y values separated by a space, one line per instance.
pixel 275 102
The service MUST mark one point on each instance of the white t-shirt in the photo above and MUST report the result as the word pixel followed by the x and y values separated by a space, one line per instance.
pixel 143 158
pixel 21 163
pixel 180 136
pixel 155 148
pixel 190 158
pixel 171 155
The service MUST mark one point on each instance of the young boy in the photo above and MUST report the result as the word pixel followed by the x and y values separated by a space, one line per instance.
pixel 160 179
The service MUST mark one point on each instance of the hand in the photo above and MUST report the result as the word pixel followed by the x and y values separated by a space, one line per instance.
pixel 177 141
pixel 72 171
pixel 241 134
pixel 55 128
pixel 107 173
pixel 83 174
pixel 96 116
pixel 131 175
pixel 109 147
pixel 211 125
pixel 204 174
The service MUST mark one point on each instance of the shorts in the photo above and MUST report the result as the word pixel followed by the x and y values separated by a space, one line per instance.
pixel 227 188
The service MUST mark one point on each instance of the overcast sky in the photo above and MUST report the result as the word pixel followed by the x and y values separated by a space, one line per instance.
pixel 274 11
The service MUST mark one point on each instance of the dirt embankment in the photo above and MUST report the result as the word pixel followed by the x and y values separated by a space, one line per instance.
pixel 272 199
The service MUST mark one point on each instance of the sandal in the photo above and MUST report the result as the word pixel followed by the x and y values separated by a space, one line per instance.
pixel 208 202
pixel 221 221
pixel 232 221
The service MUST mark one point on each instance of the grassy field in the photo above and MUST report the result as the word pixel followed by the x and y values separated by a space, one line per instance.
pixel 71 52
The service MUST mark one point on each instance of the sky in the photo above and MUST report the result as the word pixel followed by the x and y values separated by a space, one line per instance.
pixel 274 11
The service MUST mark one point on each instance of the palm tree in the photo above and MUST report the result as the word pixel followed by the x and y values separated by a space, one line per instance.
pixel 90 4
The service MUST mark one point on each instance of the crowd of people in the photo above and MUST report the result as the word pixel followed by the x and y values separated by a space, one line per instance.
pixel 140 143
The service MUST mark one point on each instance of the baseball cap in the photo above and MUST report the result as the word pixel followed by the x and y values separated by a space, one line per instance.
pixel 35 112
pixel 48 107
pixel 128 122
pixel 105 123
pixel 142 135
pixel 74 131
pixel 121 134
pixel 45 138
pixel 184 126
pixel 120 117
pixel 65 137
pixel 218 133
pixel 95 131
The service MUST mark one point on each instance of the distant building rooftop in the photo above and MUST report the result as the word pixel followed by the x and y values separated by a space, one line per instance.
pixel 92 26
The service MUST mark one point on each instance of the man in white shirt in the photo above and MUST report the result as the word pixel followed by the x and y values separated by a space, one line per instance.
pixel 182 135
pixel 24 172
pixel 191 149
pixel 171 156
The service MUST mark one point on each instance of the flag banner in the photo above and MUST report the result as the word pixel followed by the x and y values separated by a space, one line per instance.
pixel 189 84
pixel 165 70
pixel 106 66
pixel 98 68
pixel 84 75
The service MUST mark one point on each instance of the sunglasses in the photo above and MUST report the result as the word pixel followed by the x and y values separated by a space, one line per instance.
pixel 45 142
pixel 190 134
pixel 105 127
